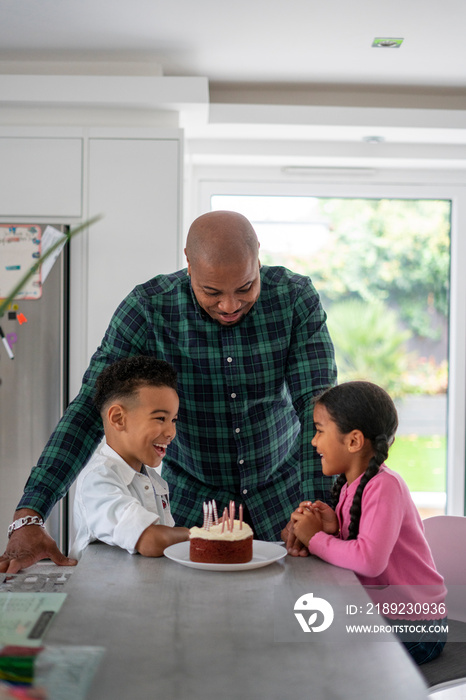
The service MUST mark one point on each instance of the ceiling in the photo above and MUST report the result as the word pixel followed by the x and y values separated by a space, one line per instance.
pixel 260 41
pixel 266 52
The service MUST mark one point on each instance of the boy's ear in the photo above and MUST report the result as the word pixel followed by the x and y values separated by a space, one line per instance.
pixel 116 416
pixel 355 441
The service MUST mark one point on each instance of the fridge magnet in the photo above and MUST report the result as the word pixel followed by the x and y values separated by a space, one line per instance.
pixel 6 344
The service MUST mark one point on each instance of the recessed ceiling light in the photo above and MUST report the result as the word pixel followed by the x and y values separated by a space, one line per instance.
pixel 386 43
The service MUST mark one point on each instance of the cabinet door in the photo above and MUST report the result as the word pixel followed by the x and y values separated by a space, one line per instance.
pixel 135 184
pixel 41 177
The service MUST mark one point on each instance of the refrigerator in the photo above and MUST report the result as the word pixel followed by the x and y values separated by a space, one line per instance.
pixel 33 374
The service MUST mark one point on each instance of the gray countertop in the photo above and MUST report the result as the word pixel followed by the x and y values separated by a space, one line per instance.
pixel 175 632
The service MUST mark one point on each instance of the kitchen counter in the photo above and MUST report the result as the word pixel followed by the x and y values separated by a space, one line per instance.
pixel 175 632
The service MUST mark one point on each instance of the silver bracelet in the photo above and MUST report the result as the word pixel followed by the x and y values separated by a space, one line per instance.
pixel 27 520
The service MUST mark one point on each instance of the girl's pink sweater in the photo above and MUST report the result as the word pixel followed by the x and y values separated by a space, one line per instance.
pixel 391 548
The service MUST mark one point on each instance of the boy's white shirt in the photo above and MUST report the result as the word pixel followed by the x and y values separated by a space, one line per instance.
pixel 115 504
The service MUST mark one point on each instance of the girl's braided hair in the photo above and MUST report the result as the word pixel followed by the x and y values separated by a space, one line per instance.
pixel 363 406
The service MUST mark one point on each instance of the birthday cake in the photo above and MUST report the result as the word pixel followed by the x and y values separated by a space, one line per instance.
pixel 221 541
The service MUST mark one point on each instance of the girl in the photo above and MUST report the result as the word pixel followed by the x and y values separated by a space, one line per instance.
pixel 375 529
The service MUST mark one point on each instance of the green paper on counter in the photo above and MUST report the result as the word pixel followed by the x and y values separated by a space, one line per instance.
pixel 25 617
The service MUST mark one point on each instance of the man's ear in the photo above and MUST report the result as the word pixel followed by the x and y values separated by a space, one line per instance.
pixel 189 264
pixel 355 441
pixel 116 416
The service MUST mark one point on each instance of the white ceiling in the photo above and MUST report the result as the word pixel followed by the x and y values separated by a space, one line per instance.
pixel 301 53
pixel 272 41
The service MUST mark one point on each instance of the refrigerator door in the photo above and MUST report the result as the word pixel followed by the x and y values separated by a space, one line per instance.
pixel 33 392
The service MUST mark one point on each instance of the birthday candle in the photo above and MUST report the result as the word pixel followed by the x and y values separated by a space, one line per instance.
pixel 204 506
pixel 209 516
pixel 214 506
pixel 240 516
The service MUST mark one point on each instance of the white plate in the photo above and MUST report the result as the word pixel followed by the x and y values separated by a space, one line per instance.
pixel 263 554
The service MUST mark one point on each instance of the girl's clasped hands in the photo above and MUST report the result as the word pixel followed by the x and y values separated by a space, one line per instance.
pixel 308 518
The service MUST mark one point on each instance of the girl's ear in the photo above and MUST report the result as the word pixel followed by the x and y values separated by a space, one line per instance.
pixel 116 417
pixel 355 441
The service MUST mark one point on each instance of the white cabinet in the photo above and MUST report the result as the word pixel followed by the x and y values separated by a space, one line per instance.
pixel 41 177
pixel 130 175
pixel 135 184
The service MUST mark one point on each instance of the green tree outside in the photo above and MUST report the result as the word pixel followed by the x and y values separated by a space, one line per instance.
pixel 397 251
pixel 369 344
pixel 385 263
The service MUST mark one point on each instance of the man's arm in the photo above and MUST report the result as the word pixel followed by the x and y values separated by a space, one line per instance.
pixel 311 369
pixel 71 444
pixel 66 452
pixel 30 544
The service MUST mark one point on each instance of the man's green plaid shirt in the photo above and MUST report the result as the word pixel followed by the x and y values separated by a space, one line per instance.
pixel 245 422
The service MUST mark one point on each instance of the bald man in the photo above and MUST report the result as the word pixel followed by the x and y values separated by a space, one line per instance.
pixel 251 349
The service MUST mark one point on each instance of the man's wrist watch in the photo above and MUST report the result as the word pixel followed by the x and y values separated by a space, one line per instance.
pixel 27 520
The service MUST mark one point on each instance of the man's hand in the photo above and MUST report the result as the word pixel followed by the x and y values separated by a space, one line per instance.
pixel 29 545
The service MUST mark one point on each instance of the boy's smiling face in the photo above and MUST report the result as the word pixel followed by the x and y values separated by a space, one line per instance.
pixel 141 428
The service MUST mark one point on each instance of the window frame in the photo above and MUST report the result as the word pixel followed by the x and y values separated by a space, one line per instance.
pixel 393 185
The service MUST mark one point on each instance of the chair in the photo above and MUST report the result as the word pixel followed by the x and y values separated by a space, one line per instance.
pixel 452 690
pixel 446 535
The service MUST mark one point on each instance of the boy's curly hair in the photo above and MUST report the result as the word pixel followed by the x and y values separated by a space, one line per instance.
pixel 123 378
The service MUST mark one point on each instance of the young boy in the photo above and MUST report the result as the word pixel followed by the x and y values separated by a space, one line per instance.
pixel 120 499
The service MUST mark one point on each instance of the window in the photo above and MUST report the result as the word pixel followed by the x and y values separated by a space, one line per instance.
pixel 381 261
